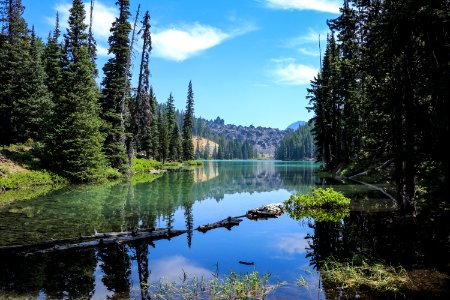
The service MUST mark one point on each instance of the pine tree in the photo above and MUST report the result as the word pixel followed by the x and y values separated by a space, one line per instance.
pixel 164 137
pixel 53 60
pixel 91 40
pixel 142 103
pixel 188 147
pixel 154 133
pixel 33 110
pixel 170 121
pixel 116 92
pixel 175 144
pixel 15 60
pixel 75 147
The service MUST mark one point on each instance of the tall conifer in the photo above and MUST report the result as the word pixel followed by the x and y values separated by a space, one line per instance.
pixel 116 91
pixel 188 146
pixel 75 147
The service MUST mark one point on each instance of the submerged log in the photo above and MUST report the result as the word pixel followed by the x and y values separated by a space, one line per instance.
pixel 228 223
pixel 157 234
pixel 273 210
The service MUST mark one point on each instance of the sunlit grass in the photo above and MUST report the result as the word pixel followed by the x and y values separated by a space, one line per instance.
pixel 377 277
pixel 234 286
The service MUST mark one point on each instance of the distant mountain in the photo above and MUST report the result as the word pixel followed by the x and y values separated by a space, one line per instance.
pixel 264 140
pixel 296 125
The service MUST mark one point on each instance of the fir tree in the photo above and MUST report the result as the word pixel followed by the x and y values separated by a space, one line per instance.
pixel 75 146
pixel 91 40
pixel 164 138
pixel 116 91
pixel 33 111
pixel 154 132
pixel 142 103
pixel 188 147
pixel 15 60
pixel 53 60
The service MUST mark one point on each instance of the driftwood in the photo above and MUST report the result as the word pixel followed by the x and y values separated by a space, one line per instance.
pixel 157 234
pixel 228 223
pixel 267 211
pixel 251 263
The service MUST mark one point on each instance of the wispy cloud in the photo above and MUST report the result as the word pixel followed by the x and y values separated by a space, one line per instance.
pixel 181 43
pixel 309 52
pixel 288 71
pixel 295 243
pixel 311 37
pixel 329 6
pixel 103 17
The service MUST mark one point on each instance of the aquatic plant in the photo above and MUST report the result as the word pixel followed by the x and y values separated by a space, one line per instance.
pixel 322 205
pixel 234 286
pixel 376 277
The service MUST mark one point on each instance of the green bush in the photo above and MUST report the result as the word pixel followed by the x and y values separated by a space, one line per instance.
pixel 321 198
pixel 143 165
pixel 323 205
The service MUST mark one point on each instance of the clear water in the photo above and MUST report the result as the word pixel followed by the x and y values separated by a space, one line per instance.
pixel 283 247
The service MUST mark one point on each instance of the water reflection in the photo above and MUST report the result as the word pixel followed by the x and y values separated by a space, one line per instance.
pixel 283 247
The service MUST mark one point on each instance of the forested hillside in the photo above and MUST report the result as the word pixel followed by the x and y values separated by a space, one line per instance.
pixel 297 145
pixel 264 140
pixel 381 98
pixel 49 97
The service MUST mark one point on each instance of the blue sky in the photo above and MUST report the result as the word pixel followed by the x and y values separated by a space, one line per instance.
pixel 250 61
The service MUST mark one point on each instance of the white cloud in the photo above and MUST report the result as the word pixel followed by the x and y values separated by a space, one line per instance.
pixel 182 43
pixel 172 268
pixel 291 73
pixel 311 37
pixel 330 6
pixel 102 51
pixel 309 52
pixel 103 17
pixel 293 243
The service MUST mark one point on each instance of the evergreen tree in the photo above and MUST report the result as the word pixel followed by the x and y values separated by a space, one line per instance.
pixel 33 111
pixel 142 112
pixel 170 117
pixel 15 60
pixel 116 92
pixel 154 132
pixel 188 147
pixel 76 142
pixel 175 144
pixel 164 138
pixel 91 40
pixel 54 62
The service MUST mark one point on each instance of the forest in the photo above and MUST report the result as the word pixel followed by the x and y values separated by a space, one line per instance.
pixel 50 98
pixel 381 97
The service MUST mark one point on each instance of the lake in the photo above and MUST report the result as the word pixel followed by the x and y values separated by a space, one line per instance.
pixel 285 248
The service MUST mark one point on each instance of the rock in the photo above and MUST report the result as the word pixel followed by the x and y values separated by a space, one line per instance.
pixel 273 210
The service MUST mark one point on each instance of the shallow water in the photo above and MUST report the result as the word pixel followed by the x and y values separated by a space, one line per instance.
pixel 283 247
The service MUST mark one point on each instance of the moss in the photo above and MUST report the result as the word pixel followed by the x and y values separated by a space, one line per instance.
pixel 320 198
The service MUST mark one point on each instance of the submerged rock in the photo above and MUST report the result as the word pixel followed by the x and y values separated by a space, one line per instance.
pixel 273 210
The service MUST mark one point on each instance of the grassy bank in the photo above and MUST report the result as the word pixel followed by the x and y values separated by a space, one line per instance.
pixel 23 177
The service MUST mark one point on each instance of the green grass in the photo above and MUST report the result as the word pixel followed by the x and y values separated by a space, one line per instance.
pixel 375 277
pixel 30 179
pixel 143 165
pixel 234 286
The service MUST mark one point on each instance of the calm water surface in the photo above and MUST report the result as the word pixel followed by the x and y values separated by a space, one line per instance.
pixel 283 247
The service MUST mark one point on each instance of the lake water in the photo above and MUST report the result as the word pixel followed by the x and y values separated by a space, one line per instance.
pixel 287 249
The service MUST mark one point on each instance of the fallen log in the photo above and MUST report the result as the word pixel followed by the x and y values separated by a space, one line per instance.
pixel 78 239
pixel 273 210
pixel 228 223
pixel 157 234
pixel 251 263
